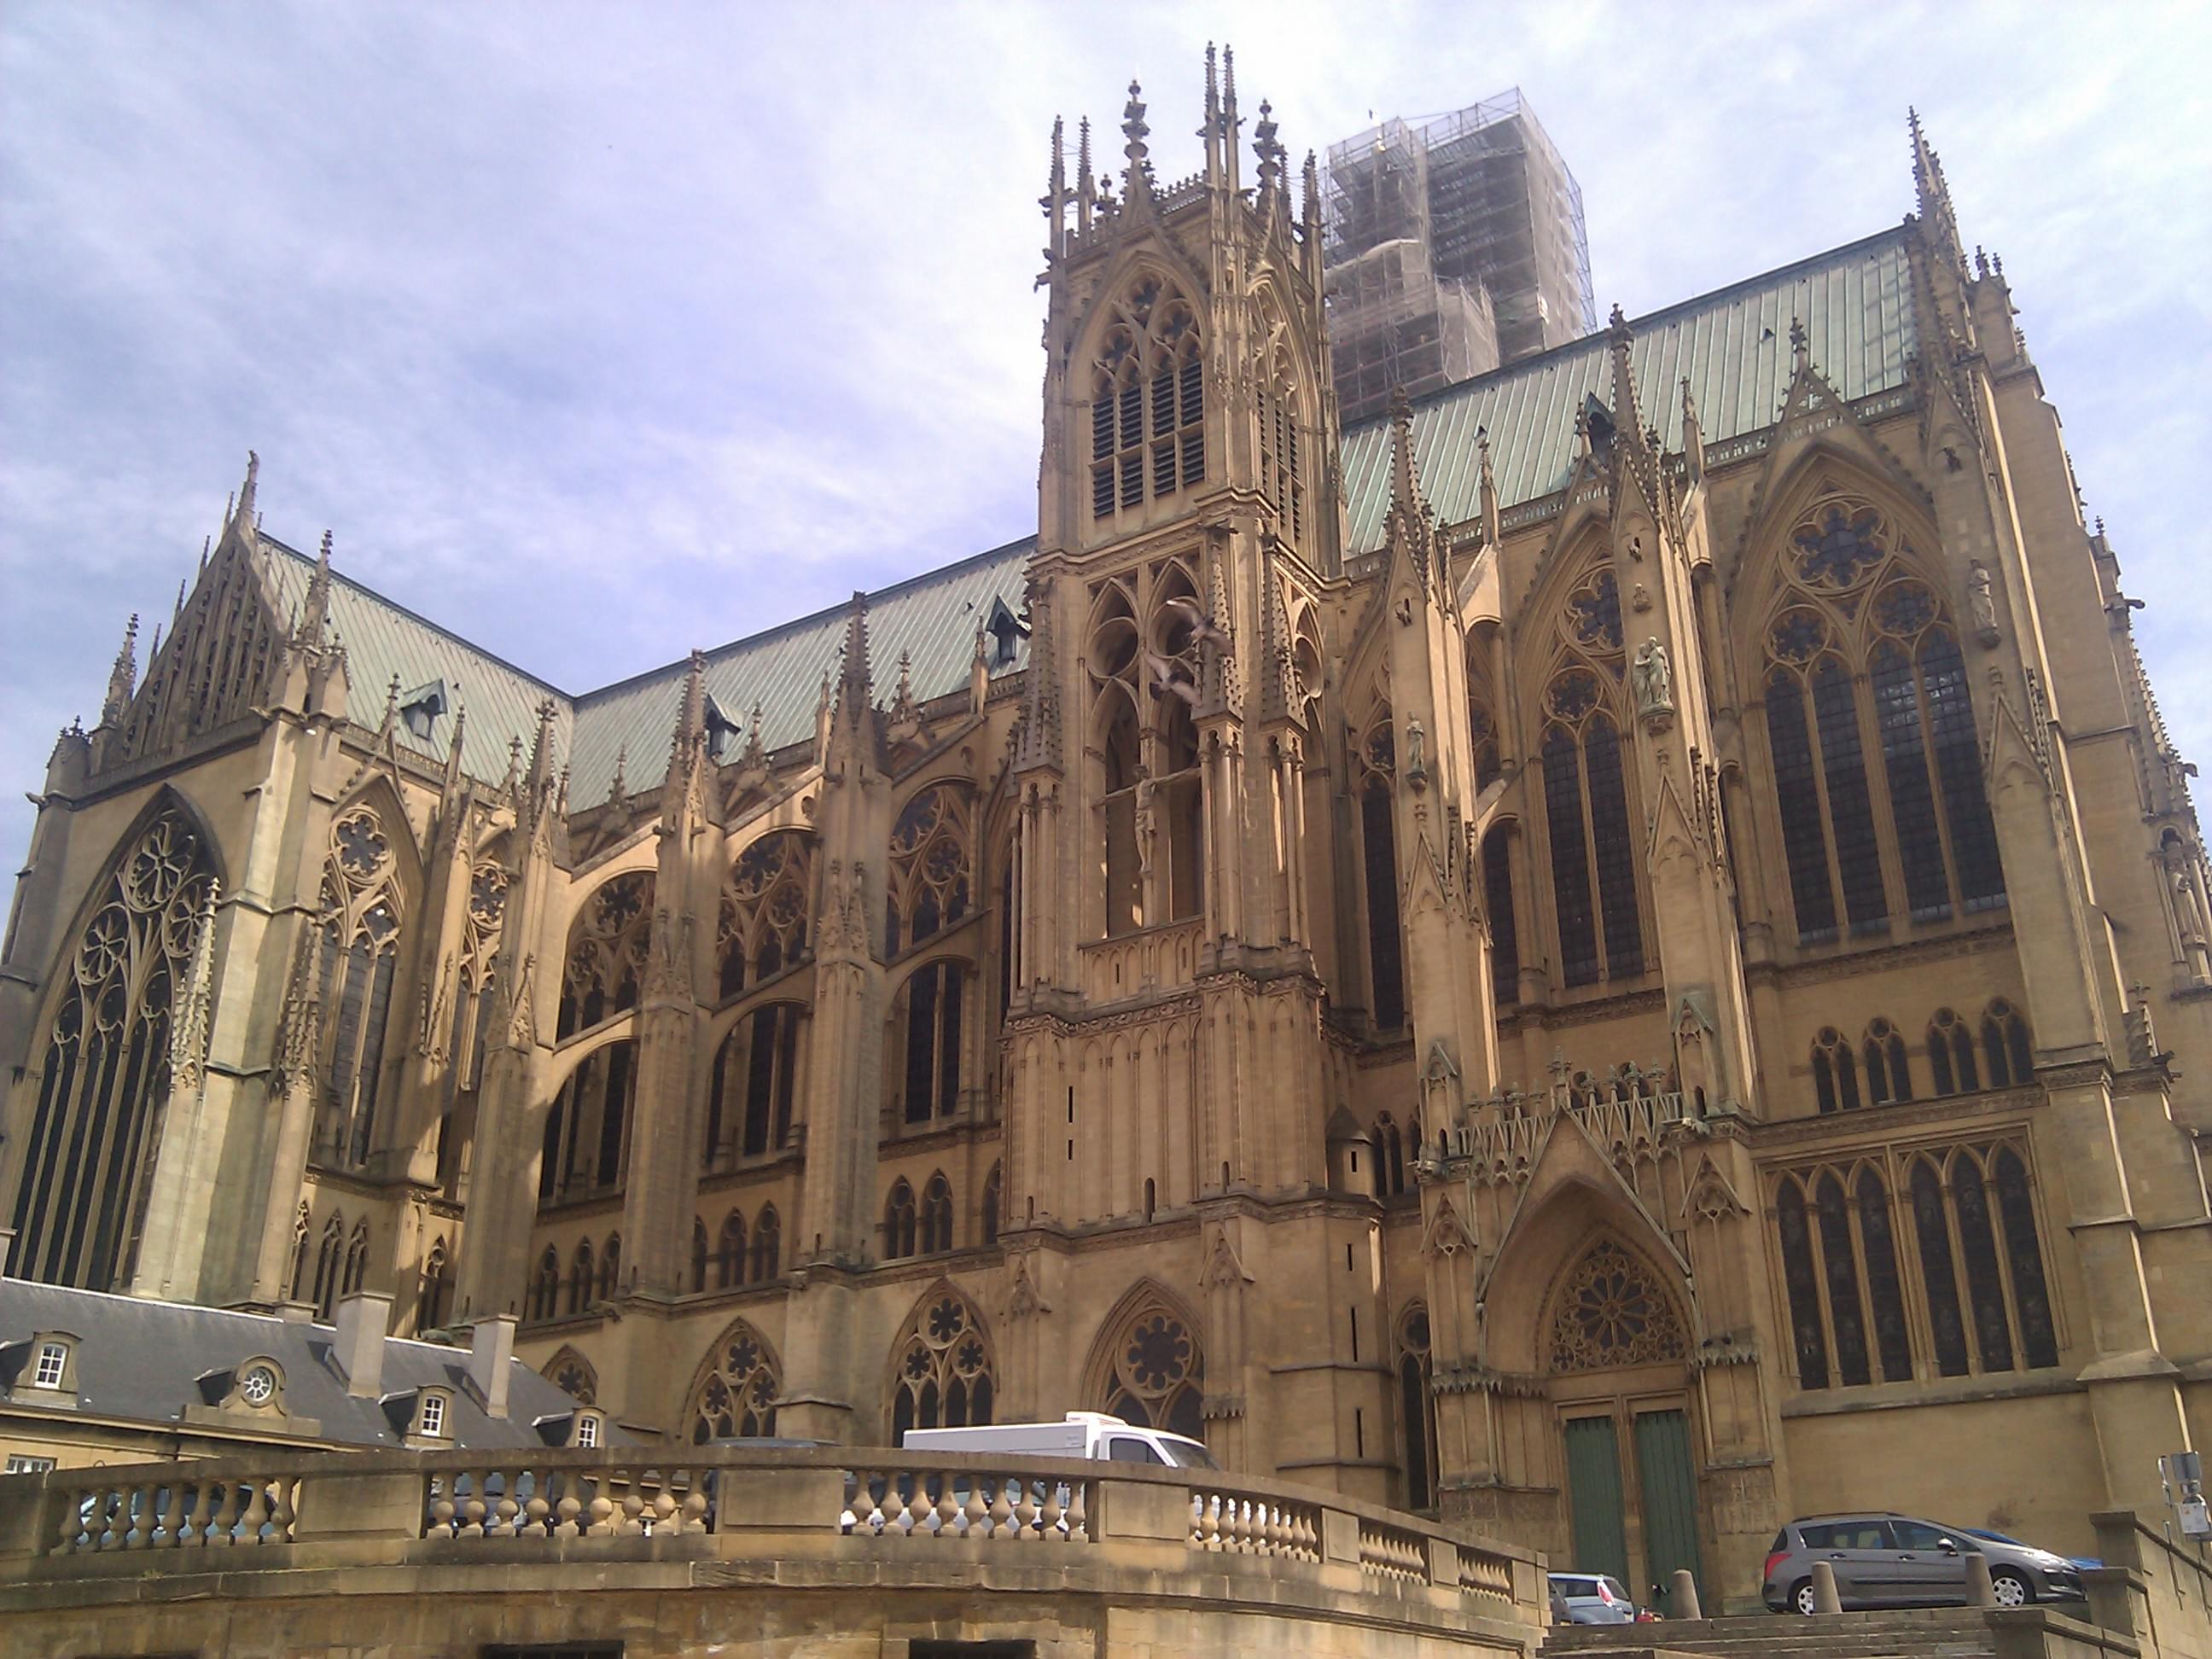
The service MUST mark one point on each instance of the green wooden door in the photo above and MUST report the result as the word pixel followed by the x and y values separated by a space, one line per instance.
pixel 1669 1491
pixel 1594 1498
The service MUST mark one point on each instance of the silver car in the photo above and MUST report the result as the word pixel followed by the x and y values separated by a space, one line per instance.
pixel 1593 1598
pixel 1884 1559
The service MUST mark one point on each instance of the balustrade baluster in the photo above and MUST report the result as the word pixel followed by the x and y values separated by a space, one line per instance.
pixel 71 1522
pixel 633 1504
pixel 1002 1510
pixel 257 1511
pixel 225 1516
pixel 196 1523
pixel 1025 1514
pixel 975 1517
pixel 571 1506
pixel 695 1502
pixel 1078 1516
pixel 173 1516
pixel 472 1504
pixel 283 1511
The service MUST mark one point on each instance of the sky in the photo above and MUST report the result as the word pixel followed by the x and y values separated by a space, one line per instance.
pixel 599 333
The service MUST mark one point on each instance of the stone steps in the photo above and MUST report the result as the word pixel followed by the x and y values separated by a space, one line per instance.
pixel 1917 1634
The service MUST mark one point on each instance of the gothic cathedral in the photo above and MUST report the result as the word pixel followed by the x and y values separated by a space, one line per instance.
pixel 1615 955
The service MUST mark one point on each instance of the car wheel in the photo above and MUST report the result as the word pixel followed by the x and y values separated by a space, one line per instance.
pixel 2011 1590
pixel 1802 1598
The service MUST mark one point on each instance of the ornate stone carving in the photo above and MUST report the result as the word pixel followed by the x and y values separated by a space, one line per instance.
pixel 1654 682
pixel 1609 1313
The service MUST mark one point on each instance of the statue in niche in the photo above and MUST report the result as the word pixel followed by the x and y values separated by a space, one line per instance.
pixel 1417 752
pixel 1147 822
pixel 1984 601
pixel 1654 682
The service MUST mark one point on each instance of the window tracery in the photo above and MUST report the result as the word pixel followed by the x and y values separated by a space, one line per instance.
pixel 1280 479
pixel 545 1285
pixel 765 901
pixel 768 1245
pixel 931 849
pixel 360 956
pixel 329 1266
pixel 1148 400
pixel 2005 1047
pixel 900 1221
pixel 937 1215
pixel 437 1283
pixel 946 1374
pixel 607 956
pixel 1864 664
pixel 573 1374
pixel 356 1260
pixel 1951 1055
pixel 1594 878
pixel 583 1280
pixel 1609 1313
pixel 922 1058
pixel 1497 906
pixel 735 1396
pixel 106 1071
pixel 1889 1077
pixel 1983 1303
pixel 1143 663
pixel 1835 1074
pixel 993 1204
pixel 1155 1372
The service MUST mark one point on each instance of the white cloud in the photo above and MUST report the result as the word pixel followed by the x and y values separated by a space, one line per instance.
pixel 589 329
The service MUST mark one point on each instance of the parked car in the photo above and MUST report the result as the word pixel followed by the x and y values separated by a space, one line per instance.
pixel 1884 1559
pixel 2081 1561
pixel 1595 1598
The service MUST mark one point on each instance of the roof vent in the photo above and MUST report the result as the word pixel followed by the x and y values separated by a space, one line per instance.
pixel 720 728
pixel 420 708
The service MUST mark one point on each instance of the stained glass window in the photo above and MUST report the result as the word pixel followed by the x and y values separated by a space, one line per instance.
pixel 1804 833
pixel 1911 797
pixel 1835 1074
pixel 1156 1374
pixel 1417 1408
pixel 1609 1313
pixel 1504 935
pixel 1937 1271
pixel 1385 946
pixel 1850 810
pixel 1959 760
pixel 2038 1339
pixel 2005 1047
pixel 1977 1242
pixel 1804 1294
pixel 1616 860
pixel 737 1396
pixel 1951 1052
pixel 1889 1076
pixel 1892 1340
pixel 946 1374
pixel 1571 876
pixel 1846 1313
pixel 900 1221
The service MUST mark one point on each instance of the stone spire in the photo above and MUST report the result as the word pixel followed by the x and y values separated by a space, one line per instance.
pixel 317 609
pixel 1693 434
pixel 123 678
pixel 1269 153
pixel 1410 524
pixel 1086 187
pixel 242 510
pixel 1054 200
pixel 687 745
pixel 1209 131
pixel 188 1032
pixel 1138 185
pixel 1037 744
pixel 1933 194
pixel 855 679
pixel 1630 441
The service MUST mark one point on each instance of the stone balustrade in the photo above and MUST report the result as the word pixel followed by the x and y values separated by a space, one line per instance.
pixel 1141 963
pixel 1498 1140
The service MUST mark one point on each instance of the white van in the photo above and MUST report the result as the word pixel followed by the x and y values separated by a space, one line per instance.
pixel 1080 1434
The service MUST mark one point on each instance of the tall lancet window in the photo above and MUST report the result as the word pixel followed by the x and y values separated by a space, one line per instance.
pixel 1281 471
pixel 472 1019
pixel 1586 797
pixel 359 958
pixel 1147 400
pixel 96 1124
pixel 1378 841
pixel 1145 659
pixel 764 905
pixel 1871 734
pixel 585 1149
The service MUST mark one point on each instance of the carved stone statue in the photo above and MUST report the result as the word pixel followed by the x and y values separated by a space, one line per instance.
pixel 1147 822
pixel 1417 750
pixel 1654 682
pixel 1985 604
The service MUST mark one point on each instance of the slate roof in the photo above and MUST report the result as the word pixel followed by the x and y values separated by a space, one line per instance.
pixel 1733 346
pixel 142 1360
pixel 1855 302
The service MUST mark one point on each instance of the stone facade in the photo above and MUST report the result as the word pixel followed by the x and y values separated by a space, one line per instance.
pixel 1611 956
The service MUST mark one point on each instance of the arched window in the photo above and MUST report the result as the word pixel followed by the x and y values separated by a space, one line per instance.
pixel 1939 1271
pixel 925 1033
pixel 571 1373
pixel 1951 1055
pixel 582 1280
pixel 298 1287
pixel 945 1375
pixel 936 1221
pixel 753 1086
pixel 2038 1339
pixel 606 952
pixel 730 1252
pixel 768 1245
pixel 931 850
pixel 482 922
pixel 611 1268
pixel 1152 1370
pixel 1608 1312
pixel 1390 1157
pixel 1585 794
pixel 699 1253
pixel 2005 1047
pixel 735 1395
pixel 545 1285
pixel 1482 727
pixel 430 1298
pixel 993 1204
pixel 1379 840
pixel 586 1147
pixel 329 1266
pixel 762 930
pixel 359 955
pixel 357 1262
pixel 1798 1277
pixel 106 1073
pixel 1835 1074
pixel 1863 664
pixel 1888 1077
pixel 1847 1314
pixel 1280 468
pixel 1417 1408
pixel 1147 400
pixel 1885 1294
pixel 900 1221
pixel 1978 1246
pixel 1497 904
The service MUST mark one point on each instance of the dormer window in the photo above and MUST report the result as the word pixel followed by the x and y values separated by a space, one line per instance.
pixel 430 1422
pixel 420 708
pixel 587 1428
pixel 51 1367
pixel 1005 635
pixel 720 728
pixel 259 1383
